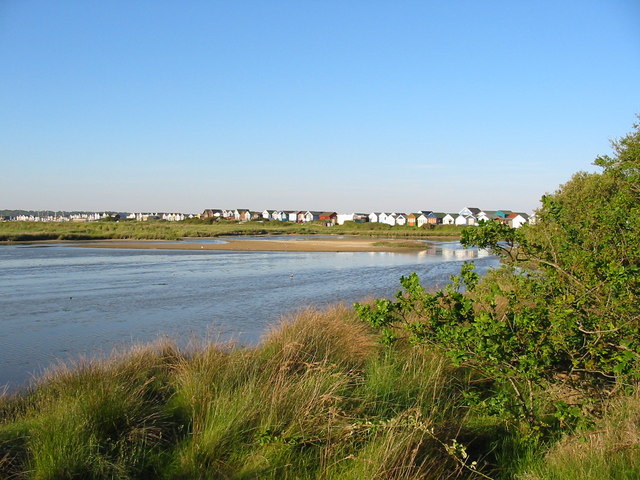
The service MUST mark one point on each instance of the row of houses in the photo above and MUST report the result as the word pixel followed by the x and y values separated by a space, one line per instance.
pixel 169 217
pixel 58 217
pixel 466 216
pixel 295 216
pixel 95 216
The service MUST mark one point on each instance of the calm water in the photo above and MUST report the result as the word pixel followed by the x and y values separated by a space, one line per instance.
pixel 60 302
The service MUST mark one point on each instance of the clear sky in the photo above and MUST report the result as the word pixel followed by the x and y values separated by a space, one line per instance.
pixel 356 105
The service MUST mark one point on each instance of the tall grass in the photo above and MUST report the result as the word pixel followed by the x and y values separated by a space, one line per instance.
pixel 609 450
pixel 318 398
pixel 95 420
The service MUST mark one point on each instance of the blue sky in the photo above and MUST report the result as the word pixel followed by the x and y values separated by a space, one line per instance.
pixel 327 105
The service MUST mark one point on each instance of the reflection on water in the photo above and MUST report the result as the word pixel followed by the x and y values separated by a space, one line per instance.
pixel 59 302
pixel 454 253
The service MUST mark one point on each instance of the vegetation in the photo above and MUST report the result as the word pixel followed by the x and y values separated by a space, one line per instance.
pixel 162 230
pixel 556 329
pixel 319 398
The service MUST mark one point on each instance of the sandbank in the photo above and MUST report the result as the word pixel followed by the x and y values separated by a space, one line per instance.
pixel 306 245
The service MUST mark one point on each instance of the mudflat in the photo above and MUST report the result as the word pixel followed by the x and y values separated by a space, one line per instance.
pixel 307 245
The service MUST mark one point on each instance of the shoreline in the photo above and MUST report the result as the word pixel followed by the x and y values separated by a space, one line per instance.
pixel 353 244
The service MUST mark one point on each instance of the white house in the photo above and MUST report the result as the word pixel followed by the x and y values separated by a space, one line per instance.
pixel 242 214
pixel 401 219
pixel 465 220
pixel 280 215
pixel 448 219
pixel 421 220
pixel 532 218
pixel 470 211
pixel 374 217
pixel 388 218
pixel 268 214
pixel 173 217
pixel 292 216
pixel 310 216
pixel 517 219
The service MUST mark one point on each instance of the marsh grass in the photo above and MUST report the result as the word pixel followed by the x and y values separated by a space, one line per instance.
pixel 158 230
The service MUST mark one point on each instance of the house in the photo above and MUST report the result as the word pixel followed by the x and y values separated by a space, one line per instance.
pixel 494 215
pixel 242 215
pixel 212 213
pixel 275 215
pixel 435 218
pixel 422 219
pixel 491 215
pixel 285 215
pixel 268 214
pixel 412 218
pixel 280 215
pixel 173 217
pixel 374 217
pixel 486 215
pixel 300 217
pixel 311 216
pixel 517 219
pixel 470 211
pixel 388 218
pixel 401 219
pixel 329 218
pixel 449 219
pixel 255 215
pixel 466 220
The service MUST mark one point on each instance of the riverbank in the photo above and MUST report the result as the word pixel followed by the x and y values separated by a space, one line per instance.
pixel 307 245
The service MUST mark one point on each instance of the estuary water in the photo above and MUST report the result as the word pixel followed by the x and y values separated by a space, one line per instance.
pixel 60 302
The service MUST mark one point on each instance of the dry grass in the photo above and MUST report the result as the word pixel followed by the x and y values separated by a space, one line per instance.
pixel 610 450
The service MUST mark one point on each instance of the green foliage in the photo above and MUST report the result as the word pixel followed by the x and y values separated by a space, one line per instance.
pixel 562 311
pixel 505 343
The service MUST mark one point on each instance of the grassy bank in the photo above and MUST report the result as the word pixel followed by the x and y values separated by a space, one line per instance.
pixel 318 398
pixel 34 231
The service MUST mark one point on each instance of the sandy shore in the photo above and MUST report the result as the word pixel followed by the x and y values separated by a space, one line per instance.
pixel 311 245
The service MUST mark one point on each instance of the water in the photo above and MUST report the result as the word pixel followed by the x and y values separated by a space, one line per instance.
pixel 58 302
